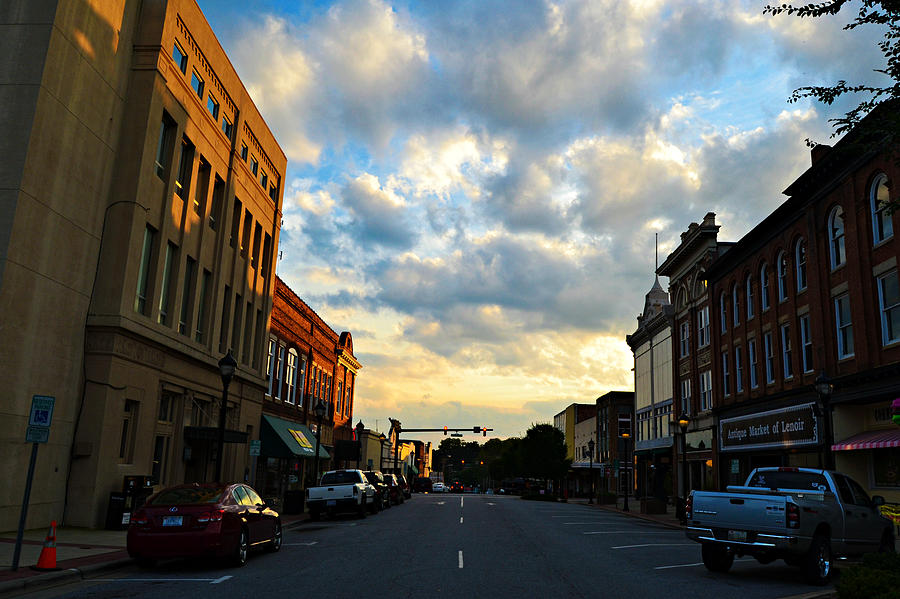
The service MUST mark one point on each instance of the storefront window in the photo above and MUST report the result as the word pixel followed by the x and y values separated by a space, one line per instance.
pixel 886 467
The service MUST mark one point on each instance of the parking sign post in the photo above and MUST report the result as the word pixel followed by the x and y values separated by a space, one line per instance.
pixel 38 432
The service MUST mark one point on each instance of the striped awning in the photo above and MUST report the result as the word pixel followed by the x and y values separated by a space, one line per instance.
pixel 879 439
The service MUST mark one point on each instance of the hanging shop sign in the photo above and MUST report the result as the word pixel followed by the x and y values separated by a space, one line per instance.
pixel 795 426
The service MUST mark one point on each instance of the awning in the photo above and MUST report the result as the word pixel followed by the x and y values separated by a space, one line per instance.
pixel 285 439
pixel 879 439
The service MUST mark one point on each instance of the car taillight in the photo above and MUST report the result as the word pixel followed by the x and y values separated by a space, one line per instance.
pixel 689 506
pixel 792 515
pixel 140 518
pixel 213 516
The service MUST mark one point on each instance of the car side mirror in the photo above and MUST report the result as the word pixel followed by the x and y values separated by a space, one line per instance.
pixel 877 500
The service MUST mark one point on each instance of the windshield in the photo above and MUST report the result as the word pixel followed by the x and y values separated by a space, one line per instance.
pixel 340 478
pixel 188 496
pixel 785 479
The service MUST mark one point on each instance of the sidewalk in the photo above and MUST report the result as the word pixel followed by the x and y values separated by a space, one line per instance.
pixel 80 553
pixel 634 510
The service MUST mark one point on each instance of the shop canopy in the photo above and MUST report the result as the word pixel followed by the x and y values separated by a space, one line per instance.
pixel 880 439
pixel 282 438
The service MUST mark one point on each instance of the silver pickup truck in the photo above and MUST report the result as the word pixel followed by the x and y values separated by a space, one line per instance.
pixel 341 491
pixel 805 516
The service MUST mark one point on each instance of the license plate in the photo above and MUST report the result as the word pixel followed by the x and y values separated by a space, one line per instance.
pixel 331 502
pixel 172 521
pixel 737 535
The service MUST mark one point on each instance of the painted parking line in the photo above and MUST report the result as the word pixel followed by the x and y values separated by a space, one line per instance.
pixel 655 545
pixel 628 532
pixel 697 564
pixel 310 544
pixel 461 501
pixel 460 559
pixel 209 580
pixel 460 520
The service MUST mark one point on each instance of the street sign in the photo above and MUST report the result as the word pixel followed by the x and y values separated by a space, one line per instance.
pixel 41 410
pixel 37 434
pixel 255 446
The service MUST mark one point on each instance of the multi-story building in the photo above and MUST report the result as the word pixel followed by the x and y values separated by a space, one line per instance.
pixel 307 363
pixel 651 345
pixel 809 296
pixel 142 198
pixel 585 432
pixel 565 421
pixel 614 450
pixel 693 363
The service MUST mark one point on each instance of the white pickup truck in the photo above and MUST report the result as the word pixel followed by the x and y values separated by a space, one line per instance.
pixel 341 491
pixel 802 515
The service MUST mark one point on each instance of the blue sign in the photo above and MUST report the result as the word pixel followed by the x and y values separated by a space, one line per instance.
pixel 41 410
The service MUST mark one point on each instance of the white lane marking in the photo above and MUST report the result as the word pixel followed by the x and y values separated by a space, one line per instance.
pixel 581 523
pixel 626 532
pixel 491 503
pixel 654 545
pixel 460 519
pixel 460 559
pixel 697 564
pixel 310 544
pixel 218 580
pixel 461 501
pixel 209 580
pixel 441 502
pixel 589 518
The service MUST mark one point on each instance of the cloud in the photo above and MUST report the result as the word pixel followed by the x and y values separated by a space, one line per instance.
pixel 378 216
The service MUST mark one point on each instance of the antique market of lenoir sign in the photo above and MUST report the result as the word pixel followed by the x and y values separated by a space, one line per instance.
pixel 785 427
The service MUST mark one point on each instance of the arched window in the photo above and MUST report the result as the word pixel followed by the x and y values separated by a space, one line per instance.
pixel 749 288
pixel 836 237
pixel 736 304
pixel 723 313
pixel 764 286
pixel 800 261
pixel 782 266
pixel 879 201
pixel 290 375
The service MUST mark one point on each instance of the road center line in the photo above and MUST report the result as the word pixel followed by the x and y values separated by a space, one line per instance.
pixel 461 501
pixel 460 559
pixel 460 519
pixel 654 545
pixel 218 580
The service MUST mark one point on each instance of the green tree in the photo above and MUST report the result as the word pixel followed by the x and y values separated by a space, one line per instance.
pixel 544 452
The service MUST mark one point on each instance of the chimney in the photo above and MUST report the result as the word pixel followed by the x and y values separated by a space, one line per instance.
pixel 818 152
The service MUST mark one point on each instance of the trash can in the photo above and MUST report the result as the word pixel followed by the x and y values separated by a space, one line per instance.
pixel 115 513
pixel 293 502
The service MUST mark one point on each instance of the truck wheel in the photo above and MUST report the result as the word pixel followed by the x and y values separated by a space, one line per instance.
pixel 716 558
pixel 817 564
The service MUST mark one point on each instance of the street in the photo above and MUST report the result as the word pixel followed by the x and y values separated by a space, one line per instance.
pixel 461 545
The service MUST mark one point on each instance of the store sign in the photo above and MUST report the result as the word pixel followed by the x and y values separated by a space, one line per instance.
pixel 786 427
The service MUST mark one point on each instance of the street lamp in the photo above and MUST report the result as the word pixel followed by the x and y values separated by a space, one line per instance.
pixel 824 389
pixel 591 469
pixel 359 432
pixel 683 424
pixel 320 414
pixel 226 368
pixel 626 436
pixel 381 440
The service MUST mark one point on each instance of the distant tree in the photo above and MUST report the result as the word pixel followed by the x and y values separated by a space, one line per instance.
pixel 883 128
pixel 544 452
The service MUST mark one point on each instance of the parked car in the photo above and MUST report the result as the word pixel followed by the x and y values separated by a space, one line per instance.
pixel 802 515
pixel 382 491
pixel 195 520
pixel 341 491
pixel 423 484
pixel 404 486
pixel 395 493
pixel 438 487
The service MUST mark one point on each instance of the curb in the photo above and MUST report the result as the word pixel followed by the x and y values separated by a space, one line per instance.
pixel 61 577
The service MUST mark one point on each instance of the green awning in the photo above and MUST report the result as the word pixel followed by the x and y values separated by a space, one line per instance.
pixel 286 439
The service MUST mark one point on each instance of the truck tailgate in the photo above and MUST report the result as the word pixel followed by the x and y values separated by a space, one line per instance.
pixel 739 512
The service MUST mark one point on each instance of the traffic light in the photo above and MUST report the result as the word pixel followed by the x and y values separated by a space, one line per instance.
pixel 484 431
pixel 445 431
pixel 476 429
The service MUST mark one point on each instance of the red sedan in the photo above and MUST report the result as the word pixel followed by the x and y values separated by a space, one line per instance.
pixel 203 520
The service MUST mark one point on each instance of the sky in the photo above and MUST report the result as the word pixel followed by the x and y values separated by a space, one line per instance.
pixel 475 188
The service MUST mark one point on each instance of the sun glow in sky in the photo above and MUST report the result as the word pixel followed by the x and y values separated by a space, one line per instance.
pixel 474 187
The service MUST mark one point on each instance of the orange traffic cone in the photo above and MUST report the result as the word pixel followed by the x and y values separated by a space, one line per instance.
pixel 47 559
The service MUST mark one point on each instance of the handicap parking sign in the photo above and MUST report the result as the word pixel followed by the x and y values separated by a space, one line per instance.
pixel 41 410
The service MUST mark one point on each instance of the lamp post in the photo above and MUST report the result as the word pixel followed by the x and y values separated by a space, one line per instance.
pixel 824 389
pixel 626 437
pixel 591 469
pixel 381 440
pixel 320 414
pixel 683 425
pixel 359 432
pixel 226 368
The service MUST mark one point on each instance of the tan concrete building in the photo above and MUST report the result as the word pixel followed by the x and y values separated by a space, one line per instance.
pixel 140 211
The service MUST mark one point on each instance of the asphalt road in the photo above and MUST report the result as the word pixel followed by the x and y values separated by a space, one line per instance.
pixel 462 546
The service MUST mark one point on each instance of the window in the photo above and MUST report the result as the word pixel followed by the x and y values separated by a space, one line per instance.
pixel 216 209
pixel 879 203
pixel 190 270
pixel 270 362
pixel 786 356
pixel 223 328
pixel 164 295
pixel 273 193
pixel 140 296
pixel 301 382
pixel 202 190
pixel 247 348
pixel 166 412
pixel 185 166
pixel 235 222
pixel 738 370
pixel 160 459
pixel 340 398
pixel 180 58
pixel 703 327
pixel 279 369
pixel 770 358
pixel 801 265
pixel 129 425
pixel 164 146
pixel 264 179
pixel 197 84
pixel 257 239
pixel 749 285
pixel 726 379
pixel 723 313
pixel 782 266
pixel 806 340
pixel 751 353
pixel 200 331
pixel 684 338
pixel 245 237
pixel 259 331
pixel 213 107
pixel 705 390
pixel 686 396
pixel 236 325
pixel 844 324
pixel 764 287
pixel 267 256
pixel 290 375
pixel 243 151
pixel 889 303
pixel 836 237
pixel 227 127
pixel 736 304
pixel 254 165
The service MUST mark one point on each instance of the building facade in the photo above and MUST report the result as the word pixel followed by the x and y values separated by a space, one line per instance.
pixel 615 426
pixel 141 213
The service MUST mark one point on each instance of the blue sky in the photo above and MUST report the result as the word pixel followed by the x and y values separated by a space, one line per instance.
pixel 474 187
